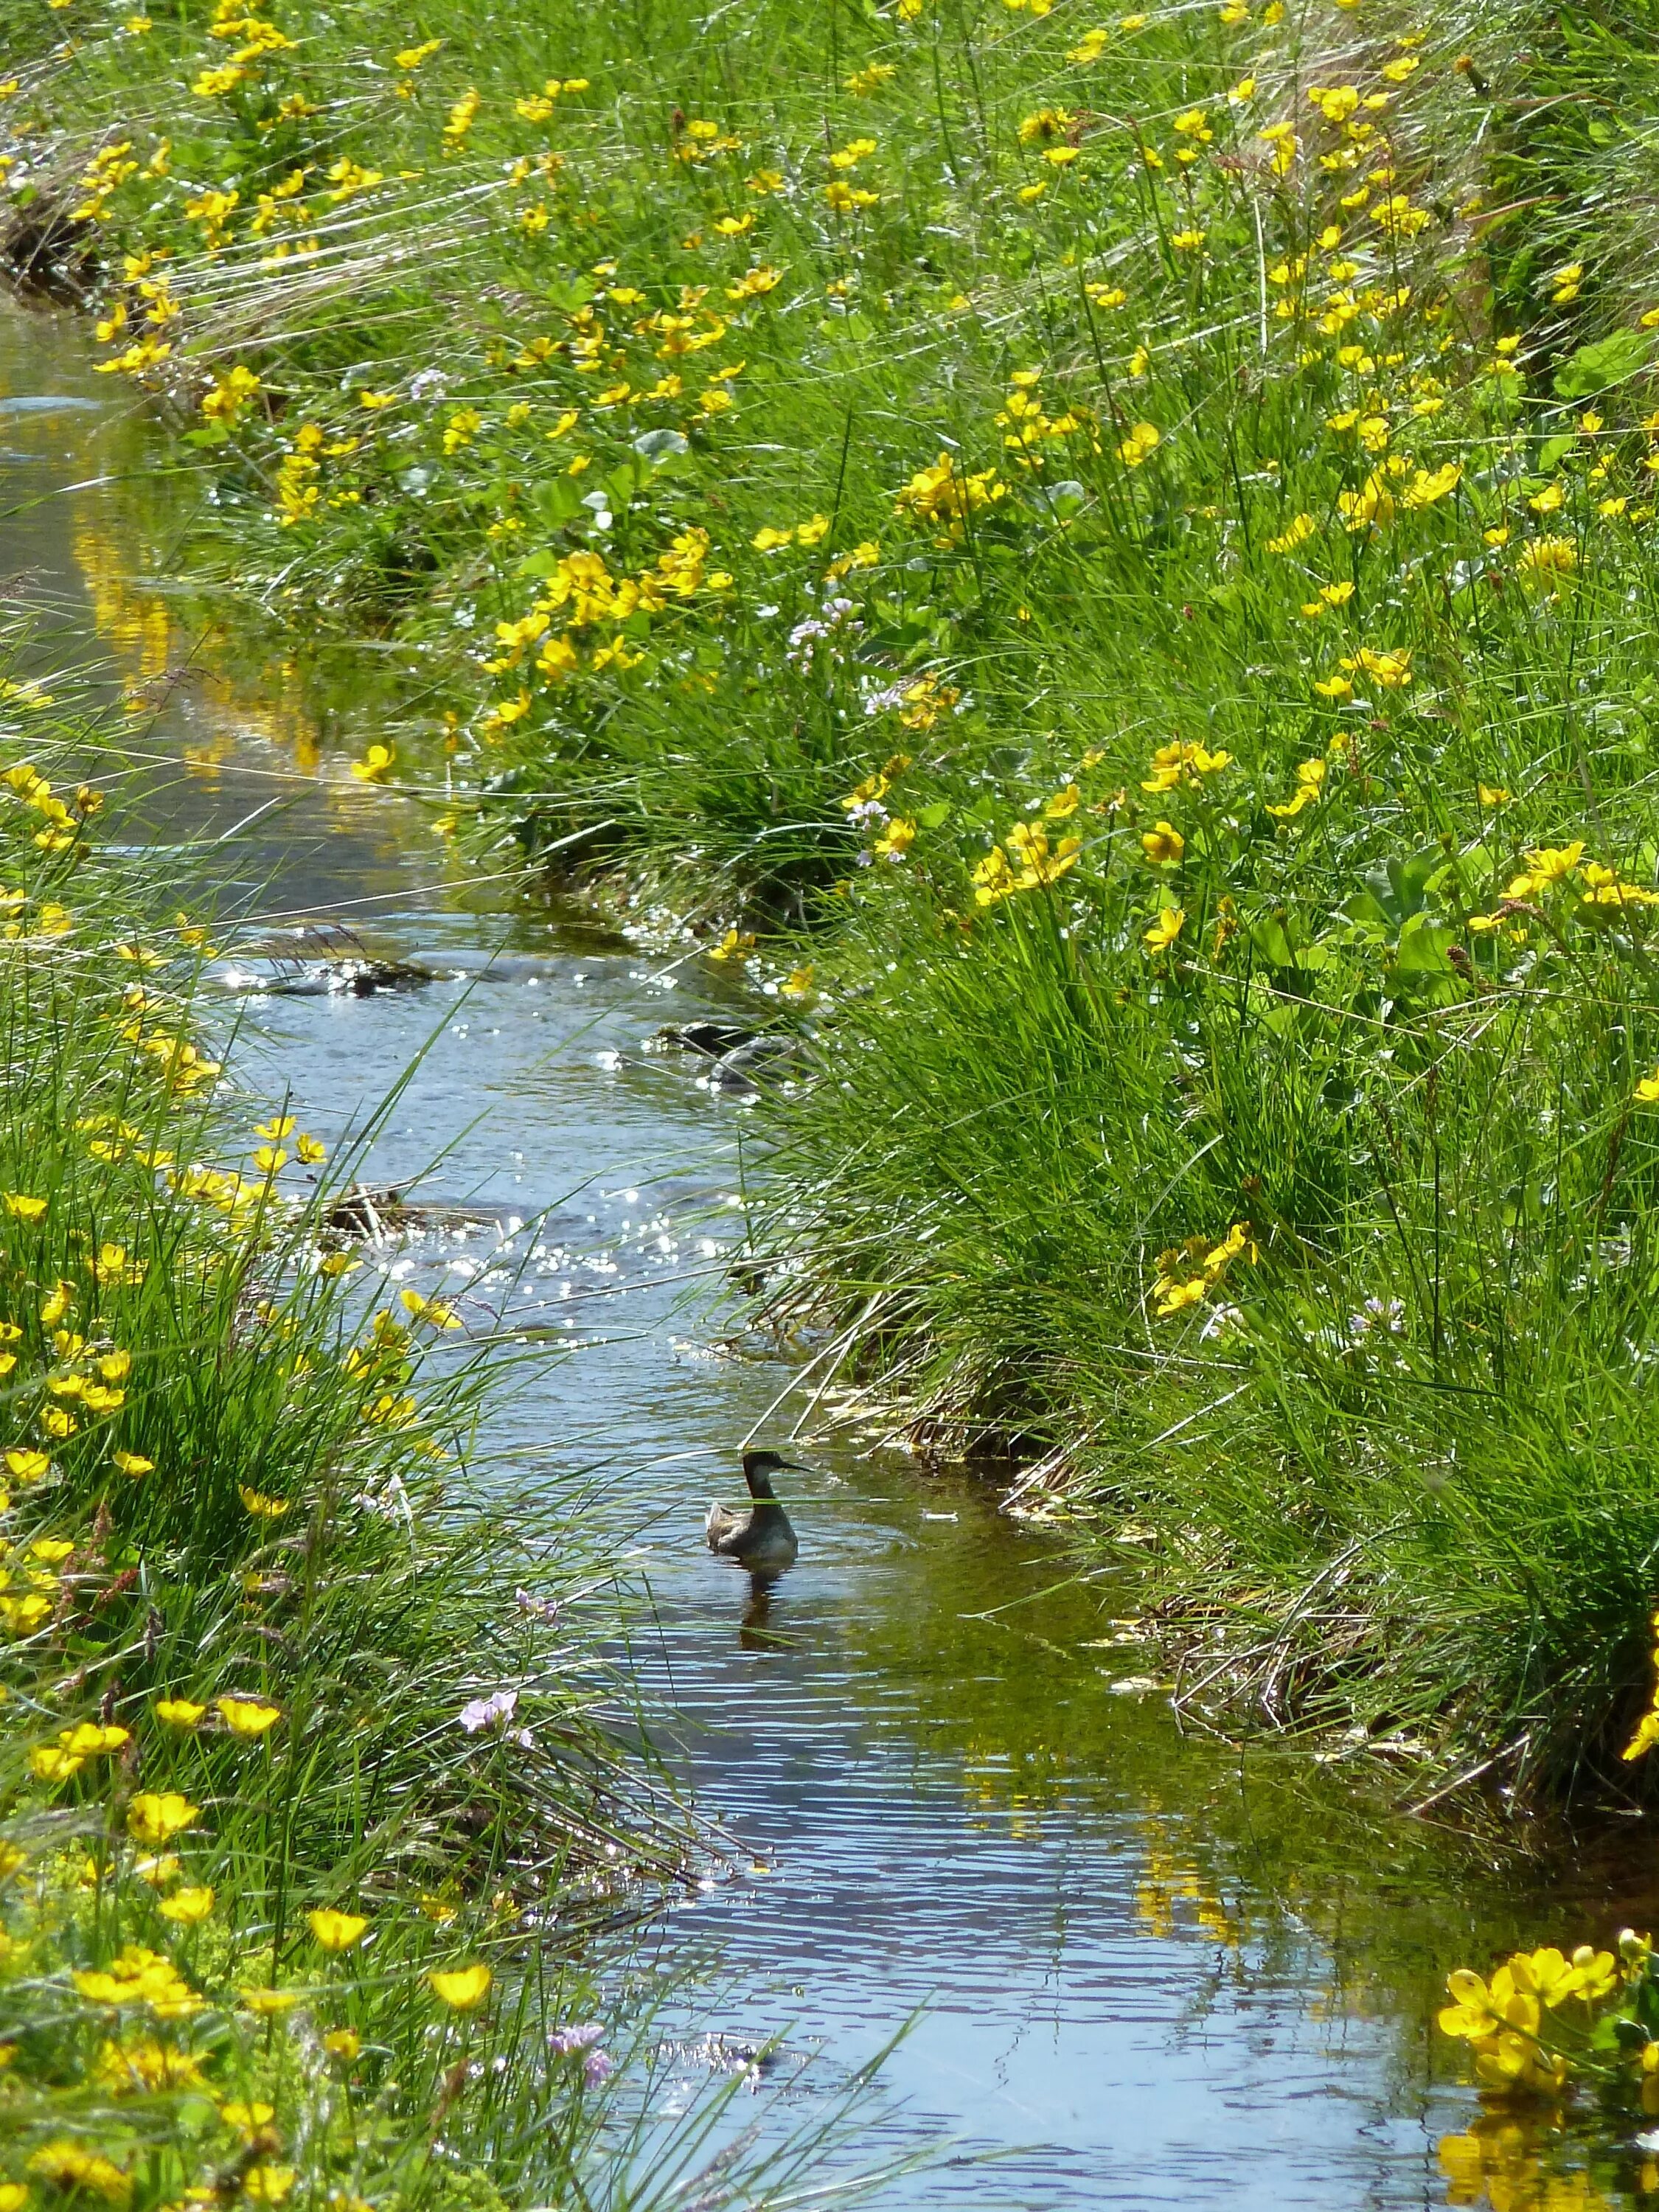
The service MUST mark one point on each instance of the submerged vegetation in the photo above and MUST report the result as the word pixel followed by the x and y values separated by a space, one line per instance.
pixel 1108 561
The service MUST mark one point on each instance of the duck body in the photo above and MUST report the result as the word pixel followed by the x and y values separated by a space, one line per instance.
pixel 762 1538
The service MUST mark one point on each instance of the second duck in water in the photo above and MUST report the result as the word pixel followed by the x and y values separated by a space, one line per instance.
pixel 762 1538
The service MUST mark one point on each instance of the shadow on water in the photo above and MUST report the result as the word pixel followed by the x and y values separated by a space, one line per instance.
pixel 1149 1970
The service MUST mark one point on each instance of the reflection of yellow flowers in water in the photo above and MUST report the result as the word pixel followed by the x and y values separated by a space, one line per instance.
pixel 1168 1881
pixel 1500 2162
pixel 138 625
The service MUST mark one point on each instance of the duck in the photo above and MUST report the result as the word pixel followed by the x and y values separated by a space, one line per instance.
pixel 762 1538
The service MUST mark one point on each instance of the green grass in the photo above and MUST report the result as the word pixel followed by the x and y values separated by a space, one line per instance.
pixel 1390 553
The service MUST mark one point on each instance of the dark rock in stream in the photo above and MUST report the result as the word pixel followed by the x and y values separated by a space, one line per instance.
pixel 361 1211
pixel 743 1057
pixel 356 978
pixel 378 1215
pixel 709 1038
pixel 747 1066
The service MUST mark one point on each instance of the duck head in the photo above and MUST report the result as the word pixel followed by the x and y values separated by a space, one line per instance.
pixel 759 1467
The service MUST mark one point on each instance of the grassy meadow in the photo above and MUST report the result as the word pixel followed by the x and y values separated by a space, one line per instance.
pixel 1105 561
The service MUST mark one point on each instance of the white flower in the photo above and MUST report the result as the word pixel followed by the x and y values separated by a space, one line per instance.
pixel 496 1710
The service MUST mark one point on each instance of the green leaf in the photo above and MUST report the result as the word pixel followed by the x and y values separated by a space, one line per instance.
pixel 1423 944
pixel 571 292
pixel 556 500
pixel 1270 938
pixel 660 446
pixel 934 816
pixel 1609 361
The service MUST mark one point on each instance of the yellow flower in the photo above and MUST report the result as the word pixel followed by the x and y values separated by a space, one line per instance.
pixel 1648 1092
pixel 188 1905
pixel 178 1712
pixel 1310 780
pixel 262 1508
pixel 1141 443
pixel 67 2165
pixel 26 1466
pixel 133 1462
pixel 1165 929
pixel 154 1817
pixel 1162 845
pixel 1390 669
pixel 50 1762
pixel 139 1975
pixel 1427 486
pixel 247 2115
pixel 1181 762
pixel 342 2043
pixel 461 1987
pixel 94 1740
pixel 246 1716
pixel 1297 532
pixel 734 945
pixel 335 1931
pixel 267 2003
pixel 1547 864
pixel 24 1207
pixel 1546 559
pixel 375 765
pixel 268 2185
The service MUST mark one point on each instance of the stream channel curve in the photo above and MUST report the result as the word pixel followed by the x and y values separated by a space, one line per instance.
pixel 1149 1971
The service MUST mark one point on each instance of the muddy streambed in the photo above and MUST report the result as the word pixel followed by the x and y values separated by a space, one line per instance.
pixel 1149 1971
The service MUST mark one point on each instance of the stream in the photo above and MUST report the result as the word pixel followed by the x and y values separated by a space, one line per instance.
pixel 1146 1969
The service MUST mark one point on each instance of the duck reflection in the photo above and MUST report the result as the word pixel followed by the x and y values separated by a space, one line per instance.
pixel 757 1632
